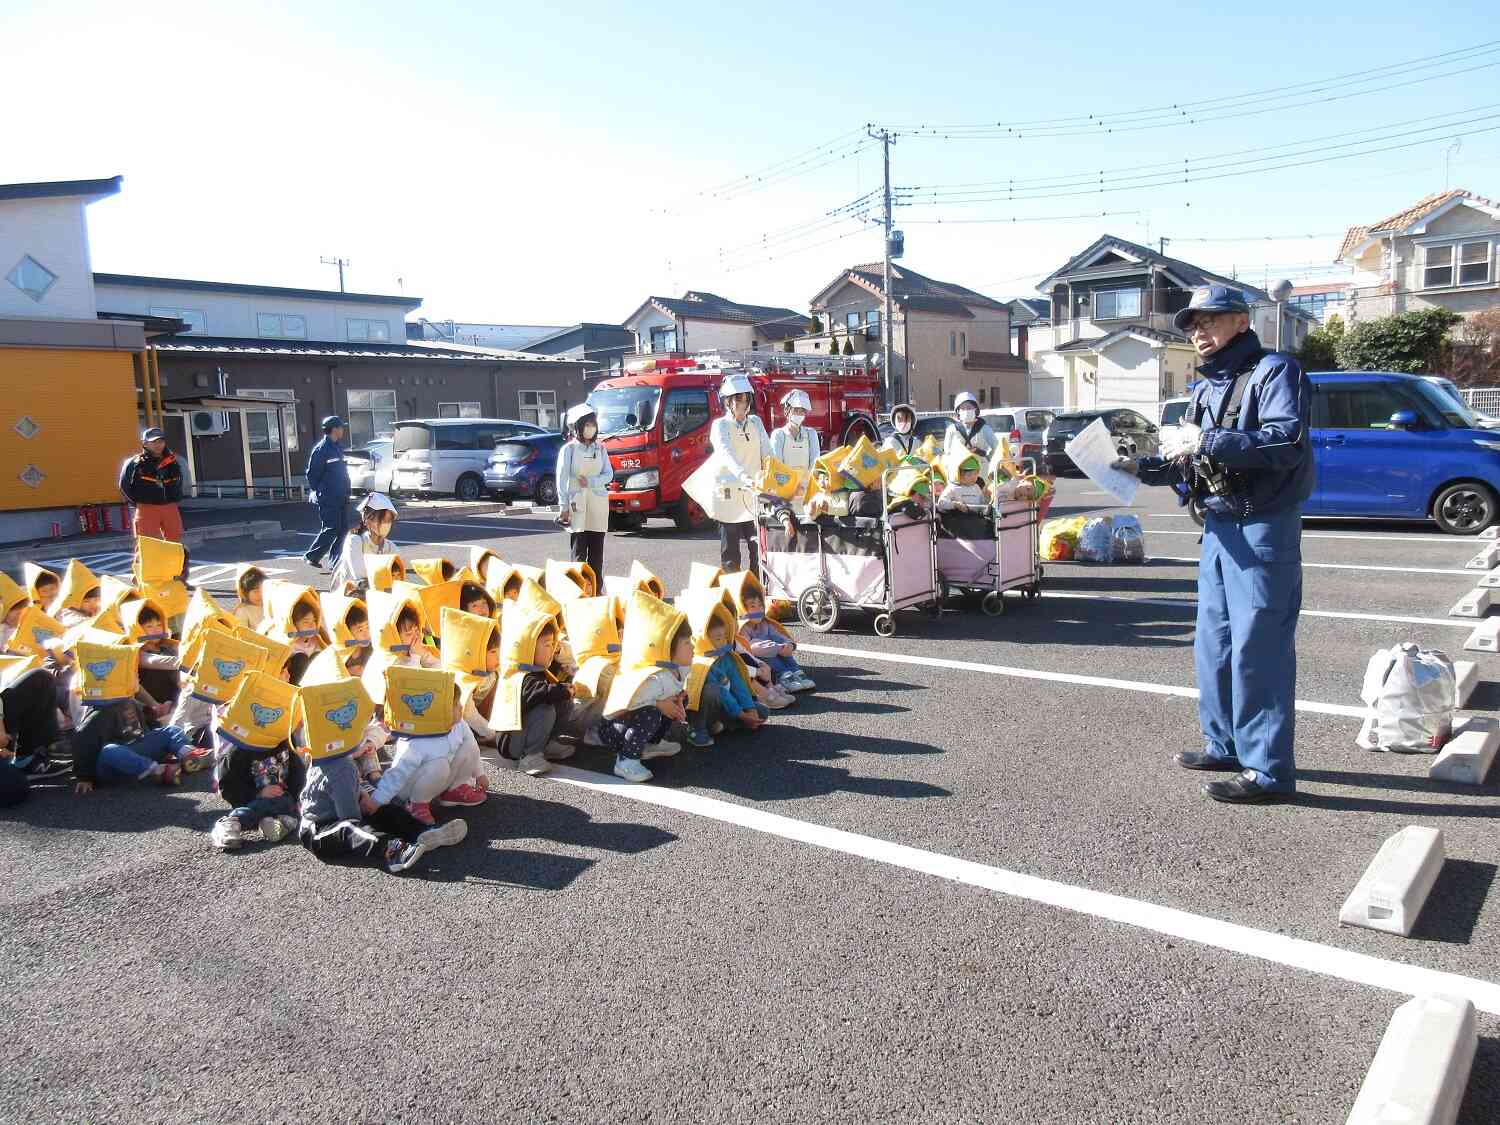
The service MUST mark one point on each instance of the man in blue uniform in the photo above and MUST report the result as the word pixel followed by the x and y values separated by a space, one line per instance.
pixel 328 478
pixel 1243 457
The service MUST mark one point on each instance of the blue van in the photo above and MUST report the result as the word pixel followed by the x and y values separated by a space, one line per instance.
pixel 1392 446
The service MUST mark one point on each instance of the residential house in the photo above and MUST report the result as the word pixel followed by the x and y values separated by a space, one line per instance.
pixel 699 322
pixel 1027 314
pixel 476 334
pixel 601 346
pixel 945 338
pixel 1322 299
pixel 1111 341
pixel 1439 252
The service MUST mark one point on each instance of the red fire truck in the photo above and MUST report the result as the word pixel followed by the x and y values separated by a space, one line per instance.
pixel 655 419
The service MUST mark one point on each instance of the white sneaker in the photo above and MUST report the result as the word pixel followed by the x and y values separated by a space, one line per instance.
pixel 445 835
pixel 804 682
pixel 226 834
pixel 272 831
pixel 291 823
pixel 661 750
pixel 591 737
pixel 629 769
pixel 557 751
pixel 777 699
pixel 534 764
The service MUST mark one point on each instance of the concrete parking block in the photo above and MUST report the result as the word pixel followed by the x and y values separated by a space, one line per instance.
pixel 1421 1067
pixel 1485 636
pixel 1490 581
pixel 1466 673
pixel 1390 894
pixel 1476 603
pixel 1487 559
pixel 1491 532
pixel 1469 753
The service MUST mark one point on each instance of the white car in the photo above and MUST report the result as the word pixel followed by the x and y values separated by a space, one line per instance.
pixel 448 456
pixel 1172 412
pixel 370 468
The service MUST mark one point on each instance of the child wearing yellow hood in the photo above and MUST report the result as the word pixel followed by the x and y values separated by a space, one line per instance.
pixel 649 692
pixel 532 704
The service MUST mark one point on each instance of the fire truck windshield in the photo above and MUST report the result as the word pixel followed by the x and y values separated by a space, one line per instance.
pixel 625 410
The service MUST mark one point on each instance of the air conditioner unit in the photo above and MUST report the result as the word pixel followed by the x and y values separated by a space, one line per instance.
pixel 208 423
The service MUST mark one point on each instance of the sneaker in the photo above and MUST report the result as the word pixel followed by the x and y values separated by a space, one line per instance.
pixel 401 856
pixel 534 764
pixel 804 682
pixel 461 796
pixel 591 737
pixel 777 700
pixel 44 769
pixel 290 823
pixel 630 769
pixel 198 758
pixel 716 728
pixel 444 836
pixel 557 751
pixel 316 564
pixel 169 775
pixel 422 811
pixel 699 739
pixel 226 834
pixel 272 831
pixel 661 750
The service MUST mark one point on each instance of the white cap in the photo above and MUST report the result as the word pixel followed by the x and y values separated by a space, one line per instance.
pixel 376 502
pixel 735 385
pixel 965 398
pixel 796 400
pixel 577 414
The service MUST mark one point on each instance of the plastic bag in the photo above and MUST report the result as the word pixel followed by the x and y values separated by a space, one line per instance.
pixel 1412 693
pixel 1060 537
pixel 1094 541
pixel 1127 543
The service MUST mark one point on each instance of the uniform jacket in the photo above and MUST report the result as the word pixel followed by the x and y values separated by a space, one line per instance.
pixel 116 722
pixel 1270 450
pixel 234 771
pixel 327 474
pixel 330 792
pixel 146 480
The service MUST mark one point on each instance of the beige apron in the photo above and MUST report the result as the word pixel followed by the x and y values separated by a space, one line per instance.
pixel 587 511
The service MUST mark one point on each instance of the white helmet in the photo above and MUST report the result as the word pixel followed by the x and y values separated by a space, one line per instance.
pixel 577 414
pixel 735 385
pixel 376 502
pixel 796 400
pixel 965 398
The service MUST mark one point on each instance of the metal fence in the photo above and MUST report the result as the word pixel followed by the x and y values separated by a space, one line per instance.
pixel 1486 400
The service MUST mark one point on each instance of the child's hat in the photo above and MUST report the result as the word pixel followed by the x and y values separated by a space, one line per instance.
pixel 384 570
pixel 465 641
pixel 222 660
pixel 259 715
pixel 34 631
pixel 277 652
pixel 533 599
pixel 283 602
pixel 439 597
pixel 32 574
pixel 639 578
pixel 742 584
pixel 480 560
pixel 109 673
pixel 566 581
pixel 645 648
pixel 594 637
pixel 11 594
pixel 242 573
pixel 702 575
pixel 863 463
pixel 172 595
pixel 385 607
pixel 828 464
pixel 114 591
pixel 957 461
pixel 77 581
pixel 328 665
pixel 433 571
pixel 336 609
pixel 333 715
pixel 418 701
pixel 157 560
pixel 202 611
pixel 497 576
pixel 15 665
pixel 521 628
pixel 776 479
pixel 909 481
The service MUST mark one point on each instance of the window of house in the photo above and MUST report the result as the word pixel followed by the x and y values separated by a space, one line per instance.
pixel 1115 304
pixel 285 326
pixel 1474 263
pixel 193 318
pixel 685 412
pixel 539 408
pixel 664 338
pixel 953 343
pixel 872 324
pixel 31 277
pixel 375 331
pixel 1472 260
pixel 963 343
pixel 263 426
pixel 459 410
pixel 370 413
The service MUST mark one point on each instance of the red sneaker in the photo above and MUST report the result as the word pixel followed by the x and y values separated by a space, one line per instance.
pixel 461 796
pixel 198 758
pixel 422 811
pixel 170 775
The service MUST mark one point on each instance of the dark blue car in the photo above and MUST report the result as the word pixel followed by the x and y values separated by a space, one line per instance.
pixel 1392 446
pixel 525 467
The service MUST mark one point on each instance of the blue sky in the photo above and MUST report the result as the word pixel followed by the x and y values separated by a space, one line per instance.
pixel 554 163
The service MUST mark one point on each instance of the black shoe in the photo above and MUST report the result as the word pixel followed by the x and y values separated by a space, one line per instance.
pixel 1202 760
pixel 316 564
pixel 1241 789
pixel 43 769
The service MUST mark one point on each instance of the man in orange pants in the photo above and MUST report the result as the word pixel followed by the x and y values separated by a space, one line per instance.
pixel 152 482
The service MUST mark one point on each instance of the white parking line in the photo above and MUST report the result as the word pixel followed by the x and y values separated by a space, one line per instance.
pixel 1337 615
pixel 1297 953
pixel 1145 686
pixel 1339 566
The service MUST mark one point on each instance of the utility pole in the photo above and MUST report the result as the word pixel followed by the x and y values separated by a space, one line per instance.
pixel 1161 246
pixel 892 382
pixel 341 263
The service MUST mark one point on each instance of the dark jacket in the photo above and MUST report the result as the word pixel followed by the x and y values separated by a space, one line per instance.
pixel 536 691
pixel 327 474
pixel 330 791
pixel 1269 450
pixel 146 480
pixel 232 774
pixel 114 722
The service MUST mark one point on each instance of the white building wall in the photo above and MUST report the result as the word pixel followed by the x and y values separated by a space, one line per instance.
pixel 236 314
pixel 715 335
pixel 643 324
pixel 1129 375
pixel 55 233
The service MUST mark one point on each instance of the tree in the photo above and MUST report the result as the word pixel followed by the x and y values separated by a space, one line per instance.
pixel 1320 349
pixel 1408 342
pixel 848 346
pixel 1474 353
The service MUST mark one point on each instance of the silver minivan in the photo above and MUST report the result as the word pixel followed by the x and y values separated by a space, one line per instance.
pixel 1025 426
pixel 447 456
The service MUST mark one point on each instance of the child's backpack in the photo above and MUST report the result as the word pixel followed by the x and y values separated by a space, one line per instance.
pixel 1412 693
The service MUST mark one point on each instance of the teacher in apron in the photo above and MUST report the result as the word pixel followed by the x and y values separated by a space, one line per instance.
pixel 583 476
pixel 795 444
pixel 741 447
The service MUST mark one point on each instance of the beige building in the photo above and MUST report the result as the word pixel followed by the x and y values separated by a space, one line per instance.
pixel 945 338
pixel 705 322
pixel 1440 251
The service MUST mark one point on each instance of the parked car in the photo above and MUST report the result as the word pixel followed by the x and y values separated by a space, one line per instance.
pixel 928 422
pixel 1134 434
pixel 525 466
pixel 1023 426
pixel 370 468
pixel 1391 446
pixel 1173 410
pixel 1485 421
pixel 448 456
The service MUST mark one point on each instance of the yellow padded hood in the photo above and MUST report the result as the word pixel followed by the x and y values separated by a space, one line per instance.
pixel 282 600
pixel 33 632
pixel 594 637
pixel 703 608
pixel 436 598
pixel 223 659
pixel 645 648
pixel 385 571
pixel 277 652
pixel 109 672
pixel 202 611
pixel 14 665
pixel 11 595
pixel 32 574
pixel 776 479
pixel 130 616
pixel 566 581
pixel 521 629
pixel 259 715
pixel 333 715
pixel 433 571
pixel 336 608
pixel 863 463
pixel 77 581
pixel 418 701
pixel 157 560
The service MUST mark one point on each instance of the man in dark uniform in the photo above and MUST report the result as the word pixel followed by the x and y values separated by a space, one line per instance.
pixel 1244 458
pixel 152 482
pixel 328 478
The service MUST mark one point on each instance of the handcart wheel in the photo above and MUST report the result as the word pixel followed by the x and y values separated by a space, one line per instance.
pixel 993 603
pixel 817 608
pixel 885 625
pixel 1034 591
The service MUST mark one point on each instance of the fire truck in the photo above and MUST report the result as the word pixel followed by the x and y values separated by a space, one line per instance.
pixel 654 419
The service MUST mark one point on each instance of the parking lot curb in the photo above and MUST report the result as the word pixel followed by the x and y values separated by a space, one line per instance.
pixel 1390 894
pixel 1468 755
pixel 1421 1067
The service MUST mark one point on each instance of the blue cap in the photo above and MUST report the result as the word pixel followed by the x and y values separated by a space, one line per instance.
pixel 331 421
pixel 1211 298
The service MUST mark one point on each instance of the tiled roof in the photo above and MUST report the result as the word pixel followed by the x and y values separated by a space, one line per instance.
pixel 914 290
pixel 1099 343
pixel 1191 276
pixel 443 353
pixel 1034 308
pixel 1405 218
pixel 710 306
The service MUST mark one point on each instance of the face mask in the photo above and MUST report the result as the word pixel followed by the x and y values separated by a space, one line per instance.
pixel 740 407
pixel 589 431
pixel 967 415
pixel 796 417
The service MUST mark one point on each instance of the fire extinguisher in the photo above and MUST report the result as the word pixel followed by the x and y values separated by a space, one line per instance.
pixel 83 520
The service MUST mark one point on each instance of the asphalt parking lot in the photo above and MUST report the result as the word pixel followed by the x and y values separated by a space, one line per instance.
pixel 962 882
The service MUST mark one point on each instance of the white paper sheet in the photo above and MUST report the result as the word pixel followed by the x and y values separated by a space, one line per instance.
pixel 1093 451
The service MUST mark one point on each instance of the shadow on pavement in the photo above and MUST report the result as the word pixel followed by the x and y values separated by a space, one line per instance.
pixel 1400 782
pixel 1400 808
pixel 1482 1098
pixel 1075 580
pixel 1452 908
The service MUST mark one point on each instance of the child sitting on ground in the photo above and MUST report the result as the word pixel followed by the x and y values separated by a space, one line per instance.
pixel 339 821
pixel 769 642
pixel 248 582
pixel 532 704
pixel 78 597
pixel 436 757
pixel 719 684
pixel 474 599
pixel 41 584
pixel 648 694
pixel 13 603
pixel 256 772
pixel 112 742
